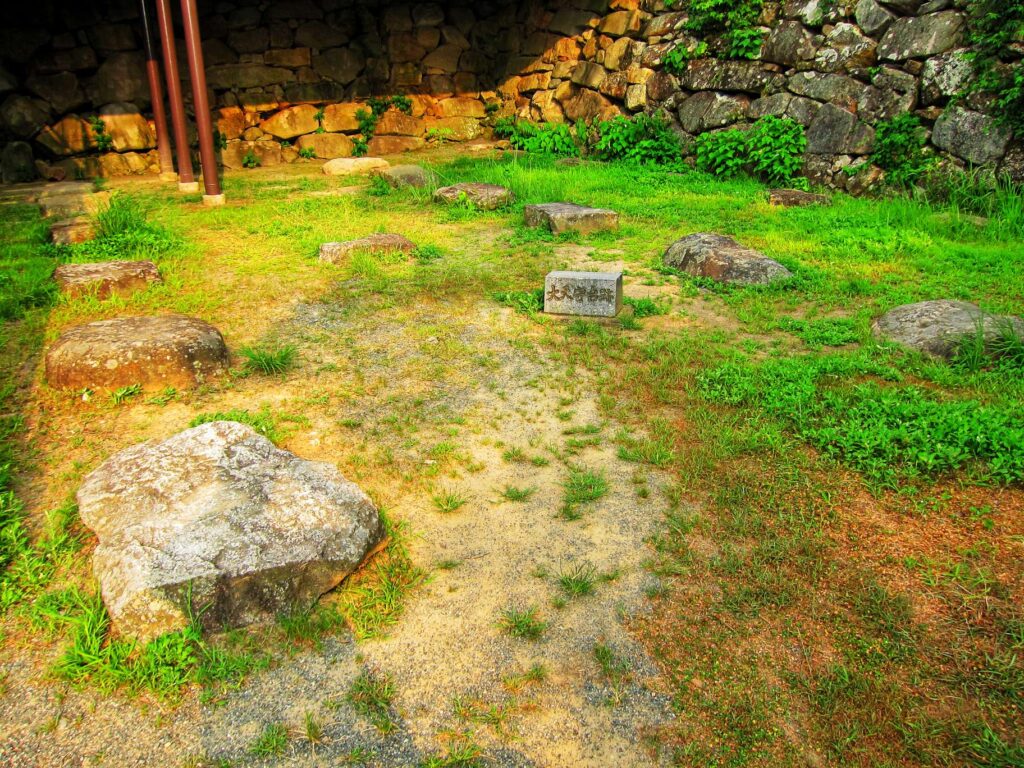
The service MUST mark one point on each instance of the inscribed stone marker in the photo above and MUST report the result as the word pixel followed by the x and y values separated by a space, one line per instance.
pixel 591 294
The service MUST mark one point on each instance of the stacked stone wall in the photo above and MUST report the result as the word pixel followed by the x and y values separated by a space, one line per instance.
pixel 287 78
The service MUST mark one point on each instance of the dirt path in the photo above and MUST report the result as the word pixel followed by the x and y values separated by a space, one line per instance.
pixel 477 386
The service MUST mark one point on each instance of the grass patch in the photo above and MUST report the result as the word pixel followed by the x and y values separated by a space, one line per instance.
pixel 270 361
pixel 522 622
pixel 262 421
pixel 371 695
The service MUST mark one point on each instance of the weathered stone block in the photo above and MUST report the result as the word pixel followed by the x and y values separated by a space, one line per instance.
pixel 156 352
pixel 104 278
pixel 327 146
pixel 569 217
pixel 220 516
pixel 486 197
pixel 708 254
pixel 794 198
pixel 380 244
pixel 920 36
pixel 590 294
pixel 352 166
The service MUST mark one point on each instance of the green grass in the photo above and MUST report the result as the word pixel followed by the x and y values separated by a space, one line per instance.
pixel 447 502
pixel 584 485
pixel 371 695
pixel 270 360
pixel 262 421
pixel 522 622
pixel 272 742
pixel 577 580
pixel 512 493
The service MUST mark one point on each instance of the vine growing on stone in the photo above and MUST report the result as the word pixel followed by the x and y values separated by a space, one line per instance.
pixel 368 118
pixel 996 28
pixel 772 150
pixel 734 20
pixel 900 150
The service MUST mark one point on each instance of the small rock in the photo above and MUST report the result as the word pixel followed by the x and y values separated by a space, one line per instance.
pixel 721 258
pixel 790 198
pixel 590 294
pixel 375 244
pixel 219 516
pixel 569 217
pixel 351 166
pixel 71 231
pixel 486 197
pixel 105 278
pixel 156 352
pixel 937 327
pixel 407 176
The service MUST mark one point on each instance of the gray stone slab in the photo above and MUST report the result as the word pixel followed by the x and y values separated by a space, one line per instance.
pixel 590 294
pixel 569 217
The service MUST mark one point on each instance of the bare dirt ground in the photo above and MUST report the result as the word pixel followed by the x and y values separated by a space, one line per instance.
pixel 440 395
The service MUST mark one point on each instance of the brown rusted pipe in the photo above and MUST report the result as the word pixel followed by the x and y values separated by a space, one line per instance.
pixel 186 179
pixel 201 103
pixel 156 94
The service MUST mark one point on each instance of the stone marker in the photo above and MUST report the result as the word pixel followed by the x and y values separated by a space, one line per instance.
pixel 937 327
pixel 156 352
pixel 219 515
pixel 791 198
pixel 106 278
pixel 569 217
pixel 486 197
pixel 721 258
pixel 70 231
pixel 375 244
pixel 407 176
pixel 352 166
pixel 591 294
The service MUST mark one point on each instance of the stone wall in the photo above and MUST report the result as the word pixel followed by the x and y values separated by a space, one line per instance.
pixel 290 75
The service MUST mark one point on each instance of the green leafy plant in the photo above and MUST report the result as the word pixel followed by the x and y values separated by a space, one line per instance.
pixel 996 28
pixel 126 393
pixel 104 141
pixel 772 149
pixel 645 307
pixel 402 103
pixel 734 20
pixel 360 146
pixel 272 741
pixel 220 141
pixel 900 150
pixel 427 253
pixel 250 160
pixel 542 138
pixel 527 302
pixel 642 139
pixel 262 421
pixel 679 56
pixel 319 116
pixel 307 153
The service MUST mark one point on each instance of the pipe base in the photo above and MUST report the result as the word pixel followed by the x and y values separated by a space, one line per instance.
pixel 188 186
pixel 214 199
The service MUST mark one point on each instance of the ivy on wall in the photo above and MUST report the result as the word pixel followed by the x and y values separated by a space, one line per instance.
pixel 733 21
pixel 995 27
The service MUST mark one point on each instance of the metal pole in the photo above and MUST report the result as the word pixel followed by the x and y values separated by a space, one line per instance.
pixel 201 103
pixel 163 140
pixel 186 180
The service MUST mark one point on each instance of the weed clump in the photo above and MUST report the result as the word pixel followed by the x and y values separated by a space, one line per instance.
pixel 269 360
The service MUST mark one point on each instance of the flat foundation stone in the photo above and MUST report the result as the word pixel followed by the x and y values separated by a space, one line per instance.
pixel 399 176
pixel 486 197
pixel 72 231
pixel 64 206
pixel 938 327
pixel 589 294
pixel 721 258
pixel 219 516
pixel 106 278
pixel 156 352
pixel 353 166
pixel 334 253
pixel 569 217
pixel 793 198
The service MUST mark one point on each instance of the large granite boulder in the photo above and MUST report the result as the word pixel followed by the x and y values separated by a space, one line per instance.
pixel 569 217
pixel 17 163
pixel 974 136
pixel 216 522
pixel 938 327
pixel 327 146
pixel 106 278
pixel 486 197
pixel 156 352
pixel 722 259
pixel 917 37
